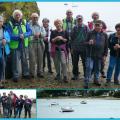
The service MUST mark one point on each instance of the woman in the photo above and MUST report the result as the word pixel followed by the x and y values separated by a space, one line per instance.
pixel 58 50
pixel 4 49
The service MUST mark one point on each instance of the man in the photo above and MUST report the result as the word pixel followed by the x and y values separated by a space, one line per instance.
pixel 19 106
pixel 95 17
pixel 68 24
pixel 46 39
pixel 37 47
pixel 97 48
pixel 4 50
pixel 4 105
pixel 78 38
pixel 114 61
pixel 19 31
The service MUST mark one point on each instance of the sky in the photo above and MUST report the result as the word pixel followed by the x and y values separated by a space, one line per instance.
pixel 28 92
pixel 109 11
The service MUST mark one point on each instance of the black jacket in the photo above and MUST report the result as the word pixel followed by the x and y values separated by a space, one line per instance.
pixel 98 49
pixel 113 39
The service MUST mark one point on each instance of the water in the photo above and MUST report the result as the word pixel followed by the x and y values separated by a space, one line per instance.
pixel 95 108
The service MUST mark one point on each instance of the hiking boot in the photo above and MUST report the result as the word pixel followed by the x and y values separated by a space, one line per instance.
pixel 26 77
pixel 40 75
pixel 108 83
pixel 65 79
pixel 103 75
pixel 96 83
pixel 15 79
pixel 116 82
pixel 75 78
pixel 57 77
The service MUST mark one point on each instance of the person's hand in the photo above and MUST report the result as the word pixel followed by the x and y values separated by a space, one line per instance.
pixel 59 37
pixel 37 35
pixel 91 42
pixel 3 42
pixel 22 36
pixel 116 46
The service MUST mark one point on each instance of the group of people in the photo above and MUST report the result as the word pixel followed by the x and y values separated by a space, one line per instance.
pixel 29 44
pixel 12 106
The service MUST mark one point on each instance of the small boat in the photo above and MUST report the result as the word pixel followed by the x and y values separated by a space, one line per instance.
pixel 83 102
pixel 67 109
pixel 54 103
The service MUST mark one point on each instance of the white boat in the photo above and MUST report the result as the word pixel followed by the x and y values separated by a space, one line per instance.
pixel 83 102
pixel 54 103
pixel 67 109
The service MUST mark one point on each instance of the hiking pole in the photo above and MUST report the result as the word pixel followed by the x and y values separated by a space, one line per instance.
pixel 3 59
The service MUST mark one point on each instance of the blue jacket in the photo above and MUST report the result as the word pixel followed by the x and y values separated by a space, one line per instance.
pixel 7 49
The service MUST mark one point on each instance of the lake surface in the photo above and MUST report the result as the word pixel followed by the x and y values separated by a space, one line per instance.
pixel 95 108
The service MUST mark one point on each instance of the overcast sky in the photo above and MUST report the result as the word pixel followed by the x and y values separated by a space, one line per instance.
pixel 109 11
pixel 29 93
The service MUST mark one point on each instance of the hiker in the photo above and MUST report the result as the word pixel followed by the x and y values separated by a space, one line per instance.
pixel 14 98
pixel 68 24
pixel 19 106
pixel 4 105
pixel 46 39
pixel 59 51
pixel 114 59
pixel 95 17
pixel 19 30
pixel 96 49
pixel 9 105
pixel 4 49
pixel 78 39
pixel 36 48
pixel 27 106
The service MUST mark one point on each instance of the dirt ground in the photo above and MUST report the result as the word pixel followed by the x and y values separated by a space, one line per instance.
pixel 49 82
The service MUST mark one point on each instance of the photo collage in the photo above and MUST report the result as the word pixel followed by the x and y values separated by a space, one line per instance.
pixel 59 60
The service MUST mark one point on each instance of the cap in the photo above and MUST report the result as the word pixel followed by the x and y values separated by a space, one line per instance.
pixel 79 16
pixel 1 18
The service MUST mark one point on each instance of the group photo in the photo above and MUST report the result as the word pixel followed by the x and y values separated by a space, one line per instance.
pixel 17 103
pixel 78 47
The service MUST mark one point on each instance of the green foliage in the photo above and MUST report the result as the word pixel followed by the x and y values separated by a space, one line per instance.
pixel 6 8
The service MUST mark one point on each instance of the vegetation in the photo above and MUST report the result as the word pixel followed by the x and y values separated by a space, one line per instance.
pixel 78 93
pixel 6 8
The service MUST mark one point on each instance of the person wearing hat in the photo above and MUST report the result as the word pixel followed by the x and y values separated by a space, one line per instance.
pixel 97 48
pixel 95 17
pixel 78 35
pixel 4 49
pixel 20 31
pixel 46 39
pixel 114 60
pixel 37 47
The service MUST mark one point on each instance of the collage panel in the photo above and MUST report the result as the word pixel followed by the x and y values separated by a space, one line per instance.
pixel 32 56
pixel 83 104
pixel 18 103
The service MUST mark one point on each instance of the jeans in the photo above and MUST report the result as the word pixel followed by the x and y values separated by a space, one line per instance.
pixel 90 62
pixel 19 58
pixel 1 68
pixel 114 63
pixel 18 111
pixel 28 111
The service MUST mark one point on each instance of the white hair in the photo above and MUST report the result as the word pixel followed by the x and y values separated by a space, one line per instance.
pixel 34 15
pixel 17 12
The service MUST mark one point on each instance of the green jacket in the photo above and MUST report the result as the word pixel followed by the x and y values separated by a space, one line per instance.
pixel 15 30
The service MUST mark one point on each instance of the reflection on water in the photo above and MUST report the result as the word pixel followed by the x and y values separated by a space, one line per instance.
pixel 95 108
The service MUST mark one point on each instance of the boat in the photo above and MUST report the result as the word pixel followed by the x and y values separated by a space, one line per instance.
pixel 83 102
pixel 54 103
pixel 67 109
